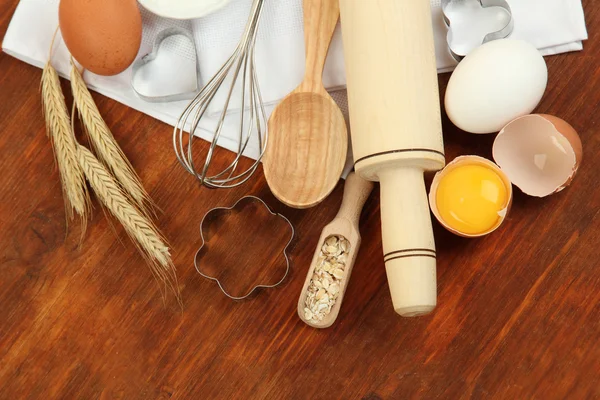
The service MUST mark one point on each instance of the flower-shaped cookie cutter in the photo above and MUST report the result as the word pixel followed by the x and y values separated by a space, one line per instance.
pixel 450 9
pixel 259 286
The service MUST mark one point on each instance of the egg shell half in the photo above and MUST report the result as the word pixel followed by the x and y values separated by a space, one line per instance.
pixel 469 160
pixel 539 153
pixel 104 36
pixel 496 83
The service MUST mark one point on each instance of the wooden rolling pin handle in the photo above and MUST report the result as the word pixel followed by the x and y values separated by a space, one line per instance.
pixel 356 193
pixel 408 244
pixel 320 20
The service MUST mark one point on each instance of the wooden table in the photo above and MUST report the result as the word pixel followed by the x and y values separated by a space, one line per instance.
pixel 518 314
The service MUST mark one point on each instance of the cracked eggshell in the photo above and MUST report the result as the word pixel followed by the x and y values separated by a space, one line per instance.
pixel 470 160
pixel 539 153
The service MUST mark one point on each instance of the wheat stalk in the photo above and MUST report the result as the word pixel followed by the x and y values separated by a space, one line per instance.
pixel 58 128
pixel 76 163
pixel 105 144
pixel 138 227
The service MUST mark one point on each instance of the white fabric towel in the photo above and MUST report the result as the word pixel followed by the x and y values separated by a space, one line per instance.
pixel 553 26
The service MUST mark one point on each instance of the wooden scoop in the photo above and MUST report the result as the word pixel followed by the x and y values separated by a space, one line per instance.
pixel 345 224
pixel 308 138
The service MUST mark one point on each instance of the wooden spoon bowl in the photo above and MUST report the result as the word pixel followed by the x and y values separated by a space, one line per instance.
pixel 308 135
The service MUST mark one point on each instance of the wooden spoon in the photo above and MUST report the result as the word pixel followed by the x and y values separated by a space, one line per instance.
pixel 308 138
pixel 345 224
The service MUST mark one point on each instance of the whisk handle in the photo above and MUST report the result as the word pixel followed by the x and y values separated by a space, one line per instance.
pixel 320 20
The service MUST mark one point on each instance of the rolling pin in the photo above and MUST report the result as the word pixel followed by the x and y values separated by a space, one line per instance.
pixel 395 120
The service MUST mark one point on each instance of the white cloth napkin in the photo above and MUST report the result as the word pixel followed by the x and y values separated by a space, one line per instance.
pixel 554 26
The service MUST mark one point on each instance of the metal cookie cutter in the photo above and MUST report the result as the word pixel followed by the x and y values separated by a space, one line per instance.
pixel 287 260
pixel 450 8
pixel 150 57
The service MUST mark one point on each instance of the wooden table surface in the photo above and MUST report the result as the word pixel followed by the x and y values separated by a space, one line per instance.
pixel 518 314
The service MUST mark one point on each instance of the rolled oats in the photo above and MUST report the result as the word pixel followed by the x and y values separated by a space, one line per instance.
pixel 325 284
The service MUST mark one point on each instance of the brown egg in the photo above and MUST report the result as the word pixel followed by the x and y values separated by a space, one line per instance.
pixel 104 36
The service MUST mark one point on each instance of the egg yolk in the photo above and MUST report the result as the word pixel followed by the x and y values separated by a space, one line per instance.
pixel 469 198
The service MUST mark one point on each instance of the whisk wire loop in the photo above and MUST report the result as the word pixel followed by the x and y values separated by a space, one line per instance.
pixel 239 67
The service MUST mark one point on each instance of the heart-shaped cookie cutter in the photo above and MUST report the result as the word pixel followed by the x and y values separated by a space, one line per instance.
pixel 503 33
pixel 148 58
pixel 264 286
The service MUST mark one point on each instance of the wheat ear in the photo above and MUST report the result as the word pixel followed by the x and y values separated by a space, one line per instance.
pixel 58 128
pixel 104 143
pixel 140 229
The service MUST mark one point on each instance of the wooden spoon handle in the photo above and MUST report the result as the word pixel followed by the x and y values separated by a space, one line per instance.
pixel 356 193
pixel 320 20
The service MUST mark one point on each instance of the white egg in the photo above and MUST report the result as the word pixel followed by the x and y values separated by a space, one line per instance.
pixel 496 83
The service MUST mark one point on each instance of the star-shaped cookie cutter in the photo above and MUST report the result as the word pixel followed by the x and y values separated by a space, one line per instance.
pixel 503 33
pixel 260 286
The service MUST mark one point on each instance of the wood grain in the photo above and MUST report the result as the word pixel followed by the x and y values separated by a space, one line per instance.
pixel 518 313
pixel 308 137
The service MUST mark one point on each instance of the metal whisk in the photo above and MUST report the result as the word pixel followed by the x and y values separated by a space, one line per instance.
pixel 239 66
